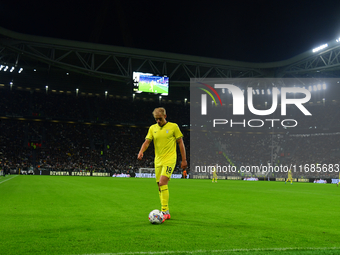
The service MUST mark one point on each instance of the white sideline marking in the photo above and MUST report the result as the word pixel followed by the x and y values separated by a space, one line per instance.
pixel 217 251
pixel 8 179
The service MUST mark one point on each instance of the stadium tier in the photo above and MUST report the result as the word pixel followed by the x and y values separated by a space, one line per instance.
pixel 77 133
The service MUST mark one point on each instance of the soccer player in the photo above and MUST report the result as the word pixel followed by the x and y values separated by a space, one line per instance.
pixel 164 135
pixel 151 85
pixel 289 177
pixel 214 173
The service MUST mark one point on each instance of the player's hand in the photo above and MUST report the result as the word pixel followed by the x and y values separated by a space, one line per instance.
pixel 140 156
pixel 184 164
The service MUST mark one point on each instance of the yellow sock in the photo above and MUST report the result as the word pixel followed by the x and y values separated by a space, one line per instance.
pixel 164 197
pixel 212 179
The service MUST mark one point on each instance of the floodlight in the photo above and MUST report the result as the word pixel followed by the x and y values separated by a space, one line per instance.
pixel 320 48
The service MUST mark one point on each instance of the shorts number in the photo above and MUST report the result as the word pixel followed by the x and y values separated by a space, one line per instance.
pixel 168 170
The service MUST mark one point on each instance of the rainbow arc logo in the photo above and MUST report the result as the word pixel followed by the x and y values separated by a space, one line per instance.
pixel 209 93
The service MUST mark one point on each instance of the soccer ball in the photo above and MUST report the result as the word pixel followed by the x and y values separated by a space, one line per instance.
pixel 156 217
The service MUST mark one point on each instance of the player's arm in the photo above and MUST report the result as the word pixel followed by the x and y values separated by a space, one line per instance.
pixel 184 163
pixel 144 147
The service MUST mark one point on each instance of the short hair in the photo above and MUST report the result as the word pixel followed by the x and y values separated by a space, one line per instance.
pixel 159 110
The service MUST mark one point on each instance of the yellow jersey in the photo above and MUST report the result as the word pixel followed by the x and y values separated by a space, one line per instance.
pixel 214 171
pixel 290 174
pixel 164 139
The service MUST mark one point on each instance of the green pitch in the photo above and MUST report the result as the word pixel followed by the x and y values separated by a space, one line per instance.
pixel 101 215
pixel 146 87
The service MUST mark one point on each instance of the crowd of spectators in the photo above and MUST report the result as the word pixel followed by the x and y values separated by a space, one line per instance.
pixel 91 133
pixel 249 153
pixel 94 109
pixel 75 146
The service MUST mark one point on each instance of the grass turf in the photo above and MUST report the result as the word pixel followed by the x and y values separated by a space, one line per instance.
pixel 93 215
pixel 146 87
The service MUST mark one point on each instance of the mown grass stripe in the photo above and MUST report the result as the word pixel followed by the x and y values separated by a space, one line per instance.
pixel 8 179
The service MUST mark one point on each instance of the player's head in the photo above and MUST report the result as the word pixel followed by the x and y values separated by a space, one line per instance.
pixel 159 114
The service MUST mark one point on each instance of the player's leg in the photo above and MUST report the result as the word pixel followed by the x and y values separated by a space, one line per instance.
pixel 163 186
pixel 164 190
pixel 158 170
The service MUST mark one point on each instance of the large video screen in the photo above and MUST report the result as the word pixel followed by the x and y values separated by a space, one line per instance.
pixel 150 83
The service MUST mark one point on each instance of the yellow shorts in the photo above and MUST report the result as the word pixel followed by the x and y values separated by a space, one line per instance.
pixel 165 170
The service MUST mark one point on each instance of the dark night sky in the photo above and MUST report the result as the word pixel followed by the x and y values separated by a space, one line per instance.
pixel 254 31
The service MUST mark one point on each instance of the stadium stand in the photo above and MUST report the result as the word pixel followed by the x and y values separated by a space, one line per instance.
pixel 104 135
pixel 64 132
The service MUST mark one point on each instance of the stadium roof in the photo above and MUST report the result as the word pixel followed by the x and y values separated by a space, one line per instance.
pixel 69 64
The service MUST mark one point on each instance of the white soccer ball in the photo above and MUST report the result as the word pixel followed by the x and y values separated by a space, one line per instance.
pixel 156 217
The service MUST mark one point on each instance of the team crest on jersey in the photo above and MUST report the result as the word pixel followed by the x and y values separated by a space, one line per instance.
pixel 167 131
